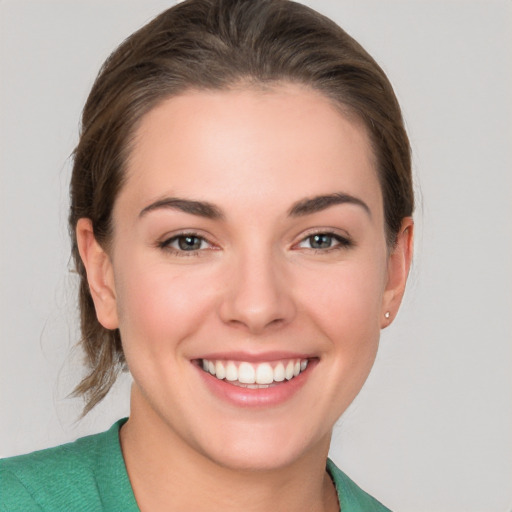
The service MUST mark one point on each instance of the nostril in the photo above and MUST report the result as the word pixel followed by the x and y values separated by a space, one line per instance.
pixel 277 322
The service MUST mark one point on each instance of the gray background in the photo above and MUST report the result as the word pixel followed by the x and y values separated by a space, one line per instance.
pixel 431 431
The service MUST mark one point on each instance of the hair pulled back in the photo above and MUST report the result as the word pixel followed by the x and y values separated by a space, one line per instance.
pixel 215 44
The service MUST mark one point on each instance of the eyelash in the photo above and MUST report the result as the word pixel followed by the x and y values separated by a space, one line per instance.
pixel 166 245
pixel 341 242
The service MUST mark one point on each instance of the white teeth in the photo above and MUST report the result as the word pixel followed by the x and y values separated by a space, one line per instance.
pixel 220 371
pixel 231 371
pixel 264 374
pixel 289 370
pixel 258 375
pixel 279 372
pixel 246 373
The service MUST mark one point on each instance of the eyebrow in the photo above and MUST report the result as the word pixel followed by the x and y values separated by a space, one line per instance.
pixel 318 203
pixel 200 208
pixel 301 208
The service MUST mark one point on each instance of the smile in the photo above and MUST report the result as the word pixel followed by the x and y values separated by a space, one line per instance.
pixel 254 375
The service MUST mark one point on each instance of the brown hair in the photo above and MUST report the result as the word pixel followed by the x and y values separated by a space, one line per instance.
pixel 214 44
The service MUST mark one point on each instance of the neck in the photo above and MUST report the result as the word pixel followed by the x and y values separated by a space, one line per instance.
pixel 168 474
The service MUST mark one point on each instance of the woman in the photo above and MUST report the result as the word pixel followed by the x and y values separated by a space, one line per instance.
pixel 241 207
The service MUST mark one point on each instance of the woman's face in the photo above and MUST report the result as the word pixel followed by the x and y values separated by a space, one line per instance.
pixel 249 242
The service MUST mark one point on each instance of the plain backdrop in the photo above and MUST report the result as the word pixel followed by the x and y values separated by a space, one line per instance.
pixel 432 429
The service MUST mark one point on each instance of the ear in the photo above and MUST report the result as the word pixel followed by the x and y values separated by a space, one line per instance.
pixel 100 275
pixel 399 263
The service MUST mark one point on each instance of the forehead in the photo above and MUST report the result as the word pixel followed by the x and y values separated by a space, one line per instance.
pixel 216 144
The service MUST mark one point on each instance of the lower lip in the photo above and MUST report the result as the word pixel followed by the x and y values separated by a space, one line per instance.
pixel 262 397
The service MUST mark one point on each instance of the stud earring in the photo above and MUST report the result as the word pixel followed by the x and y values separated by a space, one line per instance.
pixel 387 314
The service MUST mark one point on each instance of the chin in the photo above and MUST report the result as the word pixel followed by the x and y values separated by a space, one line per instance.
pixel 265 447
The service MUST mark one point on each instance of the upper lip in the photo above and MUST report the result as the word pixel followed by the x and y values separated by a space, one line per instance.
pixel 253 357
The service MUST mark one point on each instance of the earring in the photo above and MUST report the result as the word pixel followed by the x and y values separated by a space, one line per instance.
pixel 387 314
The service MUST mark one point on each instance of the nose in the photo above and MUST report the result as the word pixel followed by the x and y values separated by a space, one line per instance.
pixel 258 295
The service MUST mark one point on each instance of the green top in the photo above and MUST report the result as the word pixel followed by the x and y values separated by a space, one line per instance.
pixel 90 475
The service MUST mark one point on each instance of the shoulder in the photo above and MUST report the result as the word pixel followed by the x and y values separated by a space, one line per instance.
pixel 351 497
pixel 76 476
pixel 47 479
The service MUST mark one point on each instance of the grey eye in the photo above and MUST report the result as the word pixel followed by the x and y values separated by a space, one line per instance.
pixel 189 242
pixel 320 241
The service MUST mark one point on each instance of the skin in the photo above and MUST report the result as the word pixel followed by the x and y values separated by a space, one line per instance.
pixel 255 285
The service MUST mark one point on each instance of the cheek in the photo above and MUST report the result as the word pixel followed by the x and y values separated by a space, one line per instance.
pixel 342 306
pixel 346 303
pixel 158 305
pixel 346 307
